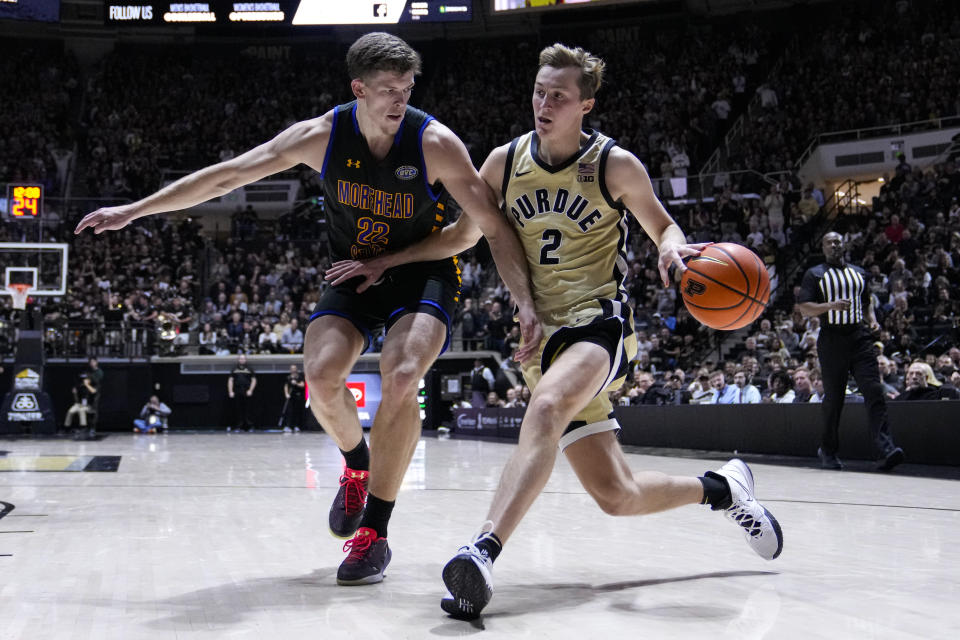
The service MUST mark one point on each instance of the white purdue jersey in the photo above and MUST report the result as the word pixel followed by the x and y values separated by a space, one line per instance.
pixel 573 234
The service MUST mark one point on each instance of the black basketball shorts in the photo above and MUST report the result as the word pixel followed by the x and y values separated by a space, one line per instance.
pixel 416 288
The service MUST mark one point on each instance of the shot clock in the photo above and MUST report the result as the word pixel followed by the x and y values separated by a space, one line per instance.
pixel 24 201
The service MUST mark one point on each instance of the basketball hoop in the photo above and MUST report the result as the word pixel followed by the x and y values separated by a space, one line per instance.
pixel 19 292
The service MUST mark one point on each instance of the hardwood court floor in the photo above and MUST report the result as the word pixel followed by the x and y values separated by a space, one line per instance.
pixel 225 536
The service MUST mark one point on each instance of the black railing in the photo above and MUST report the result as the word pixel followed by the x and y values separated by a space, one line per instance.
pixel 83 338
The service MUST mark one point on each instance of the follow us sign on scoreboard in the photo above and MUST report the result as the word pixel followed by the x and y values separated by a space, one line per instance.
pixel 287 12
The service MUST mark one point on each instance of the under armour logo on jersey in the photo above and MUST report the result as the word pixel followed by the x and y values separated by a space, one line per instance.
pixel 694 288
pixel 353 164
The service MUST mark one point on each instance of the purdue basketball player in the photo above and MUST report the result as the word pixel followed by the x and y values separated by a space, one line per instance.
pixel 386 170
pixel 567 192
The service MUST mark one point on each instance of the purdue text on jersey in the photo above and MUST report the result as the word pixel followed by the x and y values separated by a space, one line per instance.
pixel 573 233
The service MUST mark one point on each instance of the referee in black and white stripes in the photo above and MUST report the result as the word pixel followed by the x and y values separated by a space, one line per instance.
pixel 837 292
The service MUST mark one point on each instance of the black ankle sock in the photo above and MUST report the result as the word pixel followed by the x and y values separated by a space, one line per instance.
pixel 716 491
pixel 358 458
pixel 377 514
pixel 491 544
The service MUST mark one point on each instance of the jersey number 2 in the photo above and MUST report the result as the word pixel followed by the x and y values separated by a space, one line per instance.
pixel 551 242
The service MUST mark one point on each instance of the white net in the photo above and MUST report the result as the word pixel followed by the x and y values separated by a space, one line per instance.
pixel 19 294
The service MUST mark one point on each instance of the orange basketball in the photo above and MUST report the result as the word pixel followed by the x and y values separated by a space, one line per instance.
pixel 726 287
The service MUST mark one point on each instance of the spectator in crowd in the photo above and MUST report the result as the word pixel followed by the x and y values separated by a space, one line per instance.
pixel 292 338
pixel 462 402
pixel 471 328
pixel 207 340
pixel 746 392
pixel 642 382
pixel 701 392
pixel 510 343
pixel 816 383
pixel 922 384
pixel 648 391
pixel 802 387
pixel 513 400
pixel 675 389
pixel 788 339
pixel 267 341
pixel 497 327
pixel 524 394
pixel 153 416
pixel 944 367
pixel 493 400
pixel 888 376
pixel 808 341
pixel 724 393
pixel 781 388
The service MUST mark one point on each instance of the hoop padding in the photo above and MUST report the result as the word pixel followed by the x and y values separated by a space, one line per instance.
pixel 19 294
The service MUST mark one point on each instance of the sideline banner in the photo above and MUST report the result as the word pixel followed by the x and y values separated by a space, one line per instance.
pixel 493 422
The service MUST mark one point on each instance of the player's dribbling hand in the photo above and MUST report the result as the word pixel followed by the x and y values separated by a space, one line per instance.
pixel 370 270
pixel 673 255
pixel 108 219
pixel 531 332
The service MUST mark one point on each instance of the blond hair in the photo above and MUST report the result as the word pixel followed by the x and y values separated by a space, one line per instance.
pixel 560 56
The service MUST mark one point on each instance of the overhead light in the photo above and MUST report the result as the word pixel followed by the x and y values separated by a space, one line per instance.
pixel 880 180
pixel 841 193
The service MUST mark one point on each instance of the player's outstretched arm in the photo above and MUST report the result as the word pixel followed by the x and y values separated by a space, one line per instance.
pixel 304 142
pixel 628 182
pixel 447 160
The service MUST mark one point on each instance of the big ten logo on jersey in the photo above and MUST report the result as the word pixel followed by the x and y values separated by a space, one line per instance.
pixel 586 172
pixel 359 391
pixel 558 203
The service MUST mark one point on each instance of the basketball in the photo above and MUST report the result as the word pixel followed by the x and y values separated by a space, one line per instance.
pixel 726 287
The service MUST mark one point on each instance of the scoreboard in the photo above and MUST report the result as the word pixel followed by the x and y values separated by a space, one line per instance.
pixel 286 12
pixel 514 5
pixel 38 10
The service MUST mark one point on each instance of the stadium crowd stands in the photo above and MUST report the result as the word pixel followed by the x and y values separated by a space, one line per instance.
pixel 166 287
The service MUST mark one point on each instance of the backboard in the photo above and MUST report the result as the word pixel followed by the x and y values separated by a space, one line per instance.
pixel 42 265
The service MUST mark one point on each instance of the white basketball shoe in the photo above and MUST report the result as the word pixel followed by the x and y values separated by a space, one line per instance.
pixel 759 526
pixel 468 579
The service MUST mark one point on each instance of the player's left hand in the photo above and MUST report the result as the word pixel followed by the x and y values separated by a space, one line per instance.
pixel 673 255
pixel 531 332
pixel 370 270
